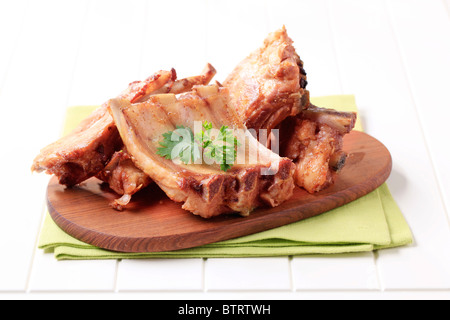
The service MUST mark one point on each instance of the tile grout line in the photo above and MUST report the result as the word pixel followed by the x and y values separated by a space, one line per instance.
pixel 341 86
pixel 139 75
pixel 416 109
pixel 298 295
pixel 447 7
pixel 376 255
pixel 35 249
pixel 116 277
pixel 44 209
pixel 2 83
pixel 144 36
pixel 334 44
pixel 77 55
pixel 204 287
pixel 16 42
pixel 291 273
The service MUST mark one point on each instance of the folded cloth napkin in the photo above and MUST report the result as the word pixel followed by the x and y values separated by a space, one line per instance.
pixel 370 223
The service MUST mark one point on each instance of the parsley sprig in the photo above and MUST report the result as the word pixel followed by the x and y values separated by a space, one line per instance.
pixel 182 144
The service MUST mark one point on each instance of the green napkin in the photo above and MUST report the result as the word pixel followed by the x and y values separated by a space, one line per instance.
pixel 370 223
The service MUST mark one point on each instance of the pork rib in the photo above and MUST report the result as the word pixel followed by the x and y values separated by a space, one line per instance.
pixel 314 140
pixel 269 85
pixel 124 178
pixel 86 151
pixel 83 153
pixel 120 173
pixel 203 189
pixel 268 91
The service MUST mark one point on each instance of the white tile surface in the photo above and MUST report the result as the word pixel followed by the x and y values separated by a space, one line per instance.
pixel 183 49
pixel 392 54
pixel 309 27
pixel 247 274
pixel 350 271
pixel 109 53
pixel 48 274
pixel 384 97
pixel 447 2
pixel 11 23
pixel 416 40
pixel 160 275
pixel 33 92
pixel 233 33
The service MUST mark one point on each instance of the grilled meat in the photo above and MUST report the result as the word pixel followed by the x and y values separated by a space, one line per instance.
pixel 268 90
pixel 269 85
pixel 83 153
pixel 86 151
pixel 314 141
pixel 124 178
pixel 120 173
pixel 203 189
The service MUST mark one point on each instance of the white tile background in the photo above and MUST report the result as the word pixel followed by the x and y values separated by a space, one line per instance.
pixel 394 55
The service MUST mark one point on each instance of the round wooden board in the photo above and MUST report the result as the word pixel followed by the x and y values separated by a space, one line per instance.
pixel 154 223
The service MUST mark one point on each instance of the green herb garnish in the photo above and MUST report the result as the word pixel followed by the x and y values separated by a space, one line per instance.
pixel 182 144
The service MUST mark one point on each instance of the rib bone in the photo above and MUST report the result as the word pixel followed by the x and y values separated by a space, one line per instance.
pixel 203 189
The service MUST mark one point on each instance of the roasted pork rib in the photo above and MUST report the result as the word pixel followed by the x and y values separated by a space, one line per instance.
pixel 124 178
pixel 268 90
pixel 83 153
pixel 87 151
pixel 314 141
pixel 203 189
pixel 120 173
pixel 119 142
pixel 269 85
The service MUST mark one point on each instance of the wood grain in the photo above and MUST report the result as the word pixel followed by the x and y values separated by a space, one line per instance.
pixel 154 223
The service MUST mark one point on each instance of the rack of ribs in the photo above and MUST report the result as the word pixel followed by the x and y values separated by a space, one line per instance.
pixel 95 147
pixel 268 91
pixel 204 190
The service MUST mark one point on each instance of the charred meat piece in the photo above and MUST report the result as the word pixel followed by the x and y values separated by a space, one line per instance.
pixel 269 85
pixel 205 190
pixel 314 141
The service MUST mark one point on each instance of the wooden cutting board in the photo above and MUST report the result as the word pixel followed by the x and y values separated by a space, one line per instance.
pixel 154 223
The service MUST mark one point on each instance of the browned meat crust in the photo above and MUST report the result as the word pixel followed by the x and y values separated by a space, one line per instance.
pixel 269 85
pixel 121 173
pixel 314 140
pixel 87 150
pixel 124 178
pixel 268 91
pixel 84 152
pixel 204 190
